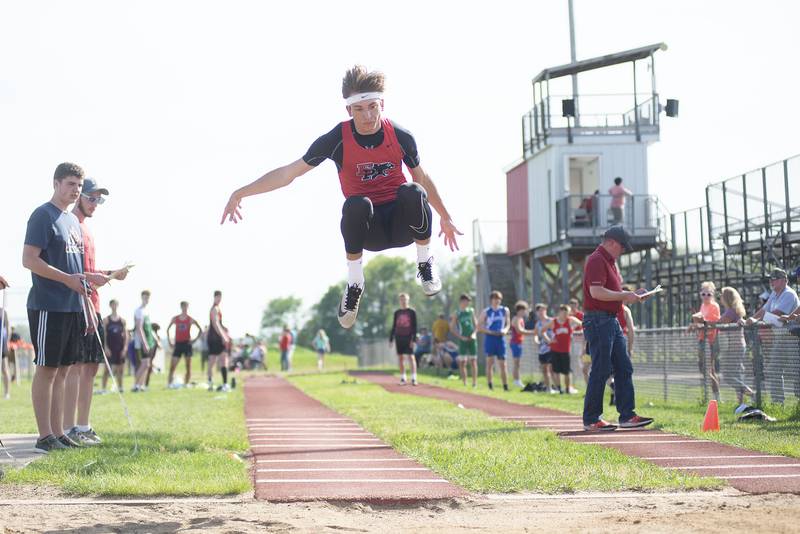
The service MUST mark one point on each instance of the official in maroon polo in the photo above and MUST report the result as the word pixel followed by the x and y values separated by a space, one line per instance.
pixel 602 300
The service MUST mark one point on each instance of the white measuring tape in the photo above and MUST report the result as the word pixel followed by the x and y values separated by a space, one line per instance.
pixel 90 316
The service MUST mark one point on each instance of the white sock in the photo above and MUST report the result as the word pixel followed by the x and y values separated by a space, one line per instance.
pixel 82 428
pixel 355 272
pixel 423 253
pixel 414 375
pixel 404 375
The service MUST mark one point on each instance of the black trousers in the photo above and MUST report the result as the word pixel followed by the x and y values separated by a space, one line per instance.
pixel 392 225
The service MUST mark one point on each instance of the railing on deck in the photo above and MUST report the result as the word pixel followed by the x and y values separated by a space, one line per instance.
pixel 594 213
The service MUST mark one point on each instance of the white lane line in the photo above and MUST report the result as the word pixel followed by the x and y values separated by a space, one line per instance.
pixel 637 442
pixel 537 417
pixel 319 440
pixel 743 466
pixel 279 419
pixel 324 434
pixel 335 460
pixel 651 458
pixel 621 435
pixel 737 477
pixel 292 446
pixel 340 469
pixel 351 480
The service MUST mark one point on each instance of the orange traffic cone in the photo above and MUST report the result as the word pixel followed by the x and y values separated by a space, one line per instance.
pixel 711 420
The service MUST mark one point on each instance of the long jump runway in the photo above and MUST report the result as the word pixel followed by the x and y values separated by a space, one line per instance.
pixel 745 470
pixel 304 451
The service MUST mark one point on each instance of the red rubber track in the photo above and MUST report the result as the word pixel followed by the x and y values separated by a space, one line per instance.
pixel 745 470
pixel 304 451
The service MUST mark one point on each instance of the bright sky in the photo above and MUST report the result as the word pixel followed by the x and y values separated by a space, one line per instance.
pixel 172 105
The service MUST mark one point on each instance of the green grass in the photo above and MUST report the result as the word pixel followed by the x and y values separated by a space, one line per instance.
pixel 685 418
pixel 187 444
pixel 305 360
pixel 486 455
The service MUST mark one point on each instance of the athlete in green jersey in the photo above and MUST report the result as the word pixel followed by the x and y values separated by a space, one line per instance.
pixel 463 325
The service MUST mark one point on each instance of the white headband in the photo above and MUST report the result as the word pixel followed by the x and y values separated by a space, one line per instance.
pixel 361 97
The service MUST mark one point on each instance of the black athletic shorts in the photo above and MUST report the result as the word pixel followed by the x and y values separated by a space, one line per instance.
pixel 91 349
pixel 141 354
pixel 403 344
pixel 215 346
pixel 183 348
pixel 56 337
pixel 560 362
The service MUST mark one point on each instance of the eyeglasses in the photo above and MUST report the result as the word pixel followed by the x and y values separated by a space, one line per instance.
pixel 93 200
pixel 706 294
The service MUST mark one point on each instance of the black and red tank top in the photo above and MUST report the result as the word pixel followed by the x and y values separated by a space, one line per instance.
pixel 375 173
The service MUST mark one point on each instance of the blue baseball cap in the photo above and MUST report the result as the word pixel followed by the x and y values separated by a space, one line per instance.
pixel 90 185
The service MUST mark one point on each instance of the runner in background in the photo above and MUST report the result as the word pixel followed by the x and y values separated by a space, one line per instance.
pixel 464 326
pixel 545 355
pixel 5 328
pixel 440 328
pixel 585 359
pixel 517 331
pixel 494 322
pixel 218 340
pixel 404 335
pixel 183 345
pixel 144 343
pixel 116 343
pixel 154 353
pixel 284 344
pixel 562 327
pixel 322 345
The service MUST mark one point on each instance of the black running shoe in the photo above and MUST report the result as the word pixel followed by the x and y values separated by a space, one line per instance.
pixel 68 443
pixel 48 443
pixel 636 421
pixel 505 387
pixel 431 283
pixel 491 386
pixel 348 308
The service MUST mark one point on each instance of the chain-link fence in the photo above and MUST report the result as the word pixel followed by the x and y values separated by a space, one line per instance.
pixel 755 364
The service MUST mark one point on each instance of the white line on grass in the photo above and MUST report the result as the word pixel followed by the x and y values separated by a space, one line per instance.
pixel 637 442
pixel 621 435
pixel 335 460
pixel 651 458
pixel 743 466
pixel 292 446
pixel 737 477
pixel 341 469
pixel 351 480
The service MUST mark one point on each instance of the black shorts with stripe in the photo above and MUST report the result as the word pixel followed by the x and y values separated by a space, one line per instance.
pixel 56 337
pixel 92 349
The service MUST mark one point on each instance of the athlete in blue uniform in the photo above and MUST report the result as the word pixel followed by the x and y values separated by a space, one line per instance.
pixel 494 323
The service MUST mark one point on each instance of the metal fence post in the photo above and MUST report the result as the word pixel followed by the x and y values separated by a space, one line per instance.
pixel 665 364
pixel 704 363
pixel 758 364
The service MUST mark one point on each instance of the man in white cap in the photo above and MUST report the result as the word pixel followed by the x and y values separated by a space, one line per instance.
pixel 382 209
pixel 79 385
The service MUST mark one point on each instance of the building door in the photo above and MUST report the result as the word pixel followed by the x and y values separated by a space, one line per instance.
pixel 584 181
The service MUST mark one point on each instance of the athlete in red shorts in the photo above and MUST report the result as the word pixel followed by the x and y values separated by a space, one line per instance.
pixel 382 209
pixel 183 343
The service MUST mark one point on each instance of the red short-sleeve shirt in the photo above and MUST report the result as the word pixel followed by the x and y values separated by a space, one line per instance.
pixel 601 270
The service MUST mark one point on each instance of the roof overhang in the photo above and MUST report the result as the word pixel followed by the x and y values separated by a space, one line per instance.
pixel 599 62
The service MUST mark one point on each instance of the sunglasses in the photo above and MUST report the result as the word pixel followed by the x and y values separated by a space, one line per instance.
pixel 703 294
pixel 93 200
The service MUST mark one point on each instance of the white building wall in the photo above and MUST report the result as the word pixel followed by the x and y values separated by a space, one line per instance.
pixel 627 160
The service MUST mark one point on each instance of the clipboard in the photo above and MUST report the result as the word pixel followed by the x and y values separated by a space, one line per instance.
pixel 657 289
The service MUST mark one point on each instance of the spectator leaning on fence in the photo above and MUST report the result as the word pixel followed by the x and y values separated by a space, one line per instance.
pixel 708 315
pixel 735 353
pixel 782 302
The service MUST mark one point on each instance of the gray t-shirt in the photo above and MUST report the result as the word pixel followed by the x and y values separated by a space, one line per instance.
pixel 786 302
pixel 58 234
pixel 544 347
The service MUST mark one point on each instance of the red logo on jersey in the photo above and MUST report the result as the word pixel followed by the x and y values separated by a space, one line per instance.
pixel 370 171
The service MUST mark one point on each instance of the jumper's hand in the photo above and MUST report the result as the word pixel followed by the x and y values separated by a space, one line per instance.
pixel 449 230
pixel 232 210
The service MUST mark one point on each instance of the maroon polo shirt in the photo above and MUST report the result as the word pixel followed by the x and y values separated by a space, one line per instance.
pixel 601 270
